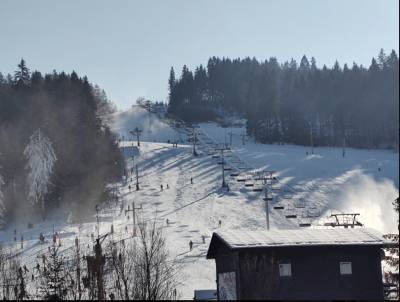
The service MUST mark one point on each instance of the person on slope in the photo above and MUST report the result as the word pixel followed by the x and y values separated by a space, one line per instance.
pixel 190 245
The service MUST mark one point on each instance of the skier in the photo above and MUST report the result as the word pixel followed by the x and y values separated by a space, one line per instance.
pixel 167 186
pixel 161 187
pixel 219 223
pixel 167 222
pixel 204 238
pixel 191 180
pixel 190 244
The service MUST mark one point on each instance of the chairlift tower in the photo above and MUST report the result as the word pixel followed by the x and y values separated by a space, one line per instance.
pixel 222 150
pixel 136 132
pixel 137 178
pixel 345 220
pixel 194 137
pixel 267 199
pixel 133 215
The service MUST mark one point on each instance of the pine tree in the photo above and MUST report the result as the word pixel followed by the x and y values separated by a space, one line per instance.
pixel 54 280
pixel 171 81
pixel 22 74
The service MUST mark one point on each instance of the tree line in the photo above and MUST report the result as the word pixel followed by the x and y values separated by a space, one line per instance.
pixel 56 149
pixel 296 103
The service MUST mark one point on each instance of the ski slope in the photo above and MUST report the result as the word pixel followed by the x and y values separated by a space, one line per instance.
pixel 316 183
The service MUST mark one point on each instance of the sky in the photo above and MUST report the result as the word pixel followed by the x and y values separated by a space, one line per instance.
pixel 128 47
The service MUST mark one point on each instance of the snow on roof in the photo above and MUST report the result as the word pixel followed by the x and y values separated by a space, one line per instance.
pixel 236 239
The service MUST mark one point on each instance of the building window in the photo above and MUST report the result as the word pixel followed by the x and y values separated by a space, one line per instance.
pixel 285 269
pixel 345 268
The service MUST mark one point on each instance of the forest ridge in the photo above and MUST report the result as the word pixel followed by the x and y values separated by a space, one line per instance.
pixel 295 103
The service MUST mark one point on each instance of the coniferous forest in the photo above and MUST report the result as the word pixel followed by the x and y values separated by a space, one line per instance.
pixel 297 103
pixel 57 120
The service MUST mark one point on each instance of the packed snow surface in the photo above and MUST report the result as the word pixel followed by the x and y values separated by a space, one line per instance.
pixel 307 188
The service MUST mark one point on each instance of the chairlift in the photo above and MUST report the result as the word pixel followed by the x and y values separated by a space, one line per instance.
pixel 233 174
pixel 305 224
pixel 279 207
pixel 227 168
pixel 258 189
pixel 241 179
pixel 291 216
pixel 249 184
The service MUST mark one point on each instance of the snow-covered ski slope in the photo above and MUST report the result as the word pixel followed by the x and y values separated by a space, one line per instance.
pixel 310 186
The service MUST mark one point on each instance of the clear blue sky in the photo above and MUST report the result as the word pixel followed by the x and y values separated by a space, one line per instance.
pixel 128 47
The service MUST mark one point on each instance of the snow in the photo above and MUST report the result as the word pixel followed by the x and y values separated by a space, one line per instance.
pixel 365 181
pixel 303 237
pixel 315 183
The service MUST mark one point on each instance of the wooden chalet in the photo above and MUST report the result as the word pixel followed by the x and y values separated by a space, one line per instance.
pixel 327 264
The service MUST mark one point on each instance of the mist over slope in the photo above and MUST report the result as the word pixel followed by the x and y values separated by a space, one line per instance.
pixel 316 183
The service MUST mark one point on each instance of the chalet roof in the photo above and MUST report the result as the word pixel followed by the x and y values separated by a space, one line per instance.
pixel 237 239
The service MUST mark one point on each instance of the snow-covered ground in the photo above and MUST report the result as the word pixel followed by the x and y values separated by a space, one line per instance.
pixel 316 184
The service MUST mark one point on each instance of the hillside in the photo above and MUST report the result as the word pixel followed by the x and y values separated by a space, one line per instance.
pixel 310 186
